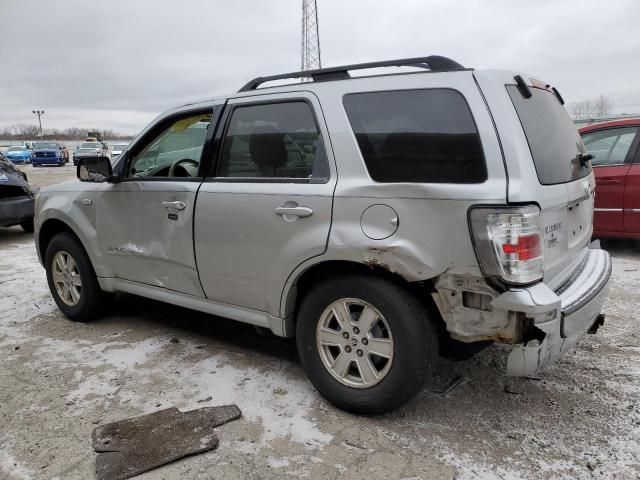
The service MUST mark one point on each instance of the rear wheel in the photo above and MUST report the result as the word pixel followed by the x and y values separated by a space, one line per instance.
pixel 366 343
pixel 72 281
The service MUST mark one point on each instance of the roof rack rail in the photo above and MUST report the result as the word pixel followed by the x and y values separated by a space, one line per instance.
pixel 435 63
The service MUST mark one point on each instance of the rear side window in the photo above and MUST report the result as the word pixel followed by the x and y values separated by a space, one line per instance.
pixel 425 136
pixel 553 138
pixel 609 147
pixel 278 140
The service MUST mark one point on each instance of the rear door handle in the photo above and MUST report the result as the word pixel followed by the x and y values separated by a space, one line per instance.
pixel 301 212
pixel 175 205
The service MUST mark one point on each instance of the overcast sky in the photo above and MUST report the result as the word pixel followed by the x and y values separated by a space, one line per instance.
pixel 116 64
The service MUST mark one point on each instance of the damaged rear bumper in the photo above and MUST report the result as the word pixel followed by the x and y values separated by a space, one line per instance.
pixel 561 317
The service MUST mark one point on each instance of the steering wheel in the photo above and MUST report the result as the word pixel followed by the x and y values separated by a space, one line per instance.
pixel 175 164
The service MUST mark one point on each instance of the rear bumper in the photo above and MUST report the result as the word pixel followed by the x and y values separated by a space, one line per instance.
pixel 561 318
pixel 14 210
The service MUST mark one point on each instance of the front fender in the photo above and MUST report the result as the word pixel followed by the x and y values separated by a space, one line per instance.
pixel 77 211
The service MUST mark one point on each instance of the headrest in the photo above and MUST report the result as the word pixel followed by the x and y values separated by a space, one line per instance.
pixel 268 151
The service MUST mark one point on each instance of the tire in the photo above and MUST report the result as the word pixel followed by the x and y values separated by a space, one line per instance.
pixel 91 298
pixel 413 335
pixel 27 225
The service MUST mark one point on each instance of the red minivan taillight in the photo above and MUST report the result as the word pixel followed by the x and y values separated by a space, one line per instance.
pixel 509 242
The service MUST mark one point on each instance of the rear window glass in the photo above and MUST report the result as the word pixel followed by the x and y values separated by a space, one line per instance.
pixel 425 136
pixel 553 138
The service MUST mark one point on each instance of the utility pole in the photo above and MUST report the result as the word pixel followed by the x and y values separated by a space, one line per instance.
pixel 310 36
pixel 39 113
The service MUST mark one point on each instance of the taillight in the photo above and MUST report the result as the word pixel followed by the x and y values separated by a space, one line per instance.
pixel 509 242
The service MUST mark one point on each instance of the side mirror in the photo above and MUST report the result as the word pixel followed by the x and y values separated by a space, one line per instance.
pixel 97 169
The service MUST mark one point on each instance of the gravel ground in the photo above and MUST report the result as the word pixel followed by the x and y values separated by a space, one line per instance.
pixel 580 419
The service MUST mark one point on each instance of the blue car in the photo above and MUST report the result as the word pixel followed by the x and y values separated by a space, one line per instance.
pixel 18 155
pixel 47 153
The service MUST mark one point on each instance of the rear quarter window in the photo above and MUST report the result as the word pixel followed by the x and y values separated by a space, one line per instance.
pixel 423 136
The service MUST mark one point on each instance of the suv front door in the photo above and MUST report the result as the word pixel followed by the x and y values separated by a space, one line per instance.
pixel 145 222
pixel 266 206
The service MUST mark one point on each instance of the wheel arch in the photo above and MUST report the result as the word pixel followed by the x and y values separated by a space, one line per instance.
pixel 318 272
pixel 49 229
pixel 53 226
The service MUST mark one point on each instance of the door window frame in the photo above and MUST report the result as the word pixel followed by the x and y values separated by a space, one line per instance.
pixel 158 128
pixel 631 153
pixel 221 133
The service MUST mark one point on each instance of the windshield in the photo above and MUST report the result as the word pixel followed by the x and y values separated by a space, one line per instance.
pixel 46 145
pixel 119 146
pixel 15 149
pixel 91 145
pixel 553 139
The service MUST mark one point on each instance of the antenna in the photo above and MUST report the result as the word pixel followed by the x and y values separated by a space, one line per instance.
pixel 310 36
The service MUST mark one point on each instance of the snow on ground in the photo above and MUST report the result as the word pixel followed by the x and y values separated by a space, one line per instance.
pixel 580 419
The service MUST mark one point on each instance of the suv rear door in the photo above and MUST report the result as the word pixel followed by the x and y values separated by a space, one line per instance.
pixel 541 146
pixel 266 205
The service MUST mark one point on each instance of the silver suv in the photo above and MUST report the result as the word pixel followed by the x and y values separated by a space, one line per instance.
pixel 381 220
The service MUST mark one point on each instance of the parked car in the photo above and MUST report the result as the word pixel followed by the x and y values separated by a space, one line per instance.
pixel 16 197
pixel 451 207
pixel 89 150
pixel 616 164
pixel 117 149
pixel 47 153
pixel 18 154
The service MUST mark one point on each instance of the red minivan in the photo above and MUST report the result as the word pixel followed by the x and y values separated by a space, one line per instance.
pixel 616 165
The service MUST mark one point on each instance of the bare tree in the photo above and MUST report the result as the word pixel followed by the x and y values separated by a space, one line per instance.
pixel 591 108
pixel 602 106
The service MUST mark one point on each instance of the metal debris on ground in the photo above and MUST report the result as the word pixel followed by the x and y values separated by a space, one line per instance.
pixel 129 447
pixel 456 382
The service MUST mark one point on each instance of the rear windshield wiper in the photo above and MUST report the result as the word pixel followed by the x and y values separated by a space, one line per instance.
pixel 583 158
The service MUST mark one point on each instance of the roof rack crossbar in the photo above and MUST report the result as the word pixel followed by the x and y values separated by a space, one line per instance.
pixel 435 63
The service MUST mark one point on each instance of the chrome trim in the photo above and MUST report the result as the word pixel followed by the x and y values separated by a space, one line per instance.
pixel 634 210
pixel 607 209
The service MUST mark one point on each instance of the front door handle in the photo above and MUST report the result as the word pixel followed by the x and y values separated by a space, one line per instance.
pixel 608 181
pixel 301 212
pixel 175 205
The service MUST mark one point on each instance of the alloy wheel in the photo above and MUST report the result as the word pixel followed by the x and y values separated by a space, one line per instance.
pixel 66 278
pixel 355 343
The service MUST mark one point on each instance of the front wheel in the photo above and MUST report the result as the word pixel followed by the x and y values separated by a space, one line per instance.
pixel 366 343
pixel 72 281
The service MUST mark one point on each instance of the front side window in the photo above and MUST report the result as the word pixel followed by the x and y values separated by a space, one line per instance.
pixel 275 140
pixel 609 147
pixel 174 152
pixel 426 136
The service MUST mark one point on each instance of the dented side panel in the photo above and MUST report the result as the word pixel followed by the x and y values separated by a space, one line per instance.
pixel 143 240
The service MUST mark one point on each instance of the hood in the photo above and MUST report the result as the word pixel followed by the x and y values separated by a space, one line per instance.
pixel 10 176
pixel 45 150
pixel 18 153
